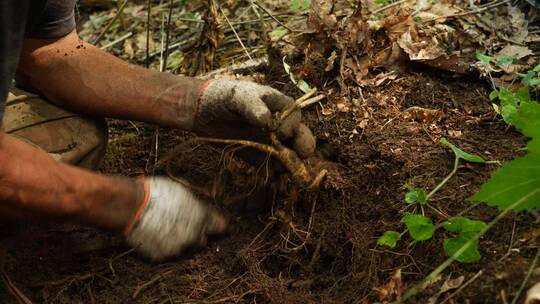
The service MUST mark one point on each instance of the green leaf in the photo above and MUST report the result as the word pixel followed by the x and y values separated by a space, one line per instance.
pixel 518 180
pixel 462 154
pixel 416 196
pixel 451 246
pixel 389 239
pixel 420 227
pixel 278 33
pixel 464 225
pixel 504 60
pixel 467 229
pixel 483 58
pixel 493 95
pixel 300 5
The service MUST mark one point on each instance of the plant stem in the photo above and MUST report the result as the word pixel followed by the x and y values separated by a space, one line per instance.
pixel 445 180
pixel 527 276
pixel 423 284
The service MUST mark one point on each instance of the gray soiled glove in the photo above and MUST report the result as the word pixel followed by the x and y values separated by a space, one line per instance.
pixel 173 220
pixel 243 110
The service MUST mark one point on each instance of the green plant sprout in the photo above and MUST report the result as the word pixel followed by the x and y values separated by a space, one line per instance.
pixel 421 228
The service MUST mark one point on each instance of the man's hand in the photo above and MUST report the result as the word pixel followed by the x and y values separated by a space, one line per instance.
pixel 243 109
pixel 171 219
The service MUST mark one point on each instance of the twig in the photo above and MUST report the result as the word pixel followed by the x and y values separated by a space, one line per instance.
pixel 17 294
pixel 152 281
pixel 480 10
pixel 476 276
pixel 235 33
pixel 389 6
pixel 148 15
pixel 108 45
pixel 527 277
pixel 168 35
pixel 273 17
pixel 120 10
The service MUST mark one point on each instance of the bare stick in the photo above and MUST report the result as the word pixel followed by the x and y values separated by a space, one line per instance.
pixel 527 277
pixel 120 10
pixel 273 17
pixel 235 33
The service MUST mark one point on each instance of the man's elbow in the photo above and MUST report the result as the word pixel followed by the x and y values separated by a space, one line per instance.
pixel 38 57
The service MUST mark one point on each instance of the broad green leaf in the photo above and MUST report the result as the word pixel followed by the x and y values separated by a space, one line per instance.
pixel 518 180
pixel 484 59
pixel 451 246
pixel 467 229
pixel 462 154
pixel 420 227
pixel 389 239
pixel 464 225
pixel 416 196
pixel 537 68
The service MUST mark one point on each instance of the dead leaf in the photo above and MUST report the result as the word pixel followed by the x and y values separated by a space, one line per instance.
pixel 449 284
pixel 422 114
pixel 533 294
pixel 392 290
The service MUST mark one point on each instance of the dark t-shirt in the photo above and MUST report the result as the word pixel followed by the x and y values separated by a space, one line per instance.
pixel 41 19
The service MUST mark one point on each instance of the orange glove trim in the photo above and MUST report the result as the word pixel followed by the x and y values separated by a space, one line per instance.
pixel 142 206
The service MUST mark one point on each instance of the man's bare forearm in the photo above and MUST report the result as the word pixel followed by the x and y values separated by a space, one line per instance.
pixel 33 185
pixel 83 78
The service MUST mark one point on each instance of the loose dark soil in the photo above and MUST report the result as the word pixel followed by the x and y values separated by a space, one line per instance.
pixel 306 246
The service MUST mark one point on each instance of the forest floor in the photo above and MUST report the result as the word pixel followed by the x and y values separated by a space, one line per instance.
pixel 324 249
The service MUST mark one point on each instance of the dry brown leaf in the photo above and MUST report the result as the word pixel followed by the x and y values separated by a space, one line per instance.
pixel 392 290
pixel 533 294
pixel 422 114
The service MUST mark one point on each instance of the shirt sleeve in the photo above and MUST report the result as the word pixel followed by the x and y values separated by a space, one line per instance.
pixel 50 18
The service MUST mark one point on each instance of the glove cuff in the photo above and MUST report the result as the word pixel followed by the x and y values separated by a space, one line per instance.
pixel 142 206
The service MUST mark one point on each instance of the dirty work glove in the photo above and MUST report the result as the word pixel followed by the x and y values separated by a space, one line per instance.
pixel 171 219
pixel 243 110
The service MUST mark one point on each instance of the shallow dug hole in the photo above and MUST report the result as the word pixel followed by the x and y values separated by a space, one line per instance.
pixel 303 247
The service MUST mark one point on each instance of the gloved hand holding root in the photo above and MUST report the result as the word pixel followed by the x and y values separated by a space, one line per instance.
pixel 158 216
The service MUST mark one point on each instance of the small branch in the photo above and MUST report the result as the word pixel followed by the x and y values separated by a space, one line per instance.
pixel 476 276
pixel 148 15
pixel 120 10
pixel 389 6
pixel 273 17
pixel 235 33
pixel 488 7
pixel 108 45
pixel 527 276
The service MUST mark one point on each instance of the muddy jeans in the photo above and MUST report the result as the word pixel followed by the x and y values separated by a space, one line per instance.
pixel 68 137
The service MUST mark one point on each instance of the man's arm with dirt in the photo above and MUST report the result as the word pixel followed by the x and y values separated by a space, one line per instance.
pixel 83 78
pixel 157 215
pixel 34 185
